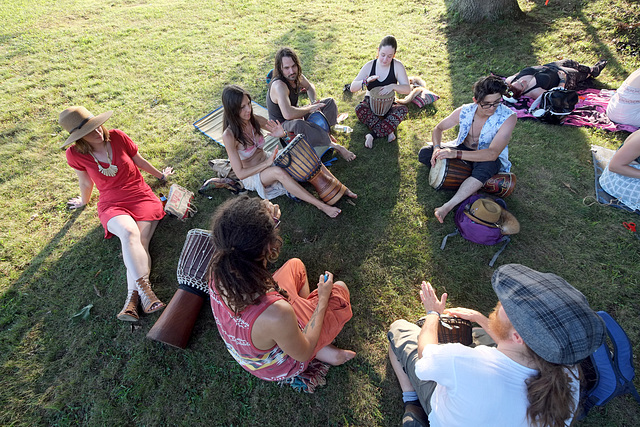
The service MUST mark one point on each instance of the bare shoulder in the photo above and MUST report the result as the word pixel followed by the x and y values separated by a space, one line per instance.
pixel 276 318
pixel 228 139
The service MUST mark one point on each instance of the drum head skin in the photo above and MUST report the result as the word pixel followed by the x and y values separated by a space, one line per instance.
pixel 436 174
pixel 318 118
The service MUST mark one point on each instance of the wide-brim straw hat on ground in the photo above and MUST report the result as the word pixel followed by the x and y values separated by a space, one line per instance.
pixel 79 122
pixel 487 212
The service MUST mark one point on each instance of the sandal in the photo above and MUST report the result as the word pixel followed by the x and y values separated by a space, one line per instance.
pixel 150 302
pixel 129 312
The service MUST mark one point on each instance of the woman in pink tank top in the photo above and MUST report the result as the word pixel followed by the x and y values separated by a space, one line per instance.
pixel 271 324
pixel 243 141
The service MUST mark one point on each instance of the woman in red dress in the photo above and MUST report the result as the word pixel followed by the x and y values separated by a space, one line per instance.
pixel 127 207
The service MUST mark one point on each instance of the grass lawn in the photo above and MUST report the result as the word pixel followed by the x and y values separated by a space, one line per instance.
pixel 162 64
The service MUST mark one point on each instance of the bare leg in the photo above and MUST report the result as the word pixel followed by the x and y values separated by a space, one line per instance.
pixel 403 378
pixel 346 154
pixel 275 174
pixel 135 255
pixel 334 356
pixel 368 141
pixel 468 187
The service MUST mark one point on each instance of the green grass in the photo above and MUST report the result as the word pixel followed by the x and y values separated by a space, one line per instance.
pixel 160 65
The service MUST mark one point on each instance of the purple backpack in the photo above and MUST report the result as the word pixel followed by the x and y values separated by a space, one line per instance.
pixel 476 232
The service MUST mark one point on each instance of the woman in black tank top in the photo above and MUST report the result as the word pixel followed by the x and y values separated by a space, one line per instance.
pixel 388 73
pixel 534 81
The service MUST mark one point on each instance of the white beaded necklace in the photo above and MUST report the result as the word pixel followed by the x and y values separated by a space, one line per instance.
pixel 112 170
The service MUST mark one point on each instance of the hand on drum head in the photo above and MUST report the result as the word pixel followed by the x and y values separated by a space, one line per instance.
pixel 275 129
pixel 385 90
pixel 465 313
pixel 272 159
pixel 316 106
pixel 444 153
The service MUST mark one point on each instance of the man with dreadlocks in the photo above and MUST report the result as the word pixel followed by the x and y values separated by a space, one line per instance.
pixel 542 326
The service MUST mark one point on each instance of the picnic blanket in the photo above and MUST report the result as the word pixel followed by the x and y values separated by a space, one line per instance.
pixel 590 111
pixel 211 126
pixel 601 158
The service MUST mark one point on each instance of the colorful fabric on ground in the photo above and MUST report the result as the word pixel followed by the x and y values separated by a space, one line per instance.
pixel 590 111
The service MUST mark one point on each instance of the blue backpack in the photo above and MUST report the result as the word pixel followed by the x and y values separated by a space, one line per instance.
pixel 477 232
pixel 608 373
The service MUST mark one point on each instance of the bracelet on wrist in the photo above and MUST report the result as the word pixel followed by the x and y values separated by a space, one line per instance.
pixel 162 178
pixel 459 154
pixel 433 312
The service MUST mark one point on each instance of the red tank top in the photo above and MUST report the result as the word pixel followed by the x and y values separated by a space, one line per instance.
pixel 269 365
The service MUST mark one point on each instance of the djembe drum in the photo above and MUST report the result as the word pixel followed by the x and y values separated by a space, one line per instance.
pixel 449 174
pixel 300 160
pixel 454 330
pixel 176 323
pixel 380 104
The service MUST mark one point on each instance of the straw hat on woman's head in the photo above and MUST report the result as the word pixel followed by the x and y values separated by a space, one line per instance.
pixel 79 122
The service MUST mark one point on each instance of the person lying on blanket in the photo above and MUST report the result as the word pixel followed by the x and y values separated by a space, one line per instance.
pixel 387 72
pixel 243 140
pixel 621 177
pixel 282 103
pixel 485 130
pixel 272 324
pixel 542 327
pixel 534 81
pixel 624 106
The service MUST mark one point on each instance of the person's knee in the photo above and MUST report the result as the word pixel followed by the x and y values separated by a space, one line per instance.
pixel 425 154
pixel 344 285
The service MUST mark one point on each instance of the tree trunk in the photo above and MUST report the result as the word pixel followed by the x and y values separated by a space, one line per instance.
pixel 490 10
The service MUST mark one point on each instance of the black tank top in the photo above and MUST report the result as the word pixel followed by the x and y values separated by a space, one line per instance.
pixel 274 109
pixel 391 78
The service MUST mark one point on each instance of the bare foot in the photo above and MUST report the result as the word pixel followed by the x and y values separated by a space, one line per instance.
pixel 351 194
pixel 440 213
pixel 346 154
pixel 368 141
pixel 331 211
pixel 334 355
pixel 391 137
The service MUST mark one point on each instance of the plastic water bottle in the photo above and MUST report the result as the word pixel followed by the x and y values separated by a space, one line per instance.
pixel 343 128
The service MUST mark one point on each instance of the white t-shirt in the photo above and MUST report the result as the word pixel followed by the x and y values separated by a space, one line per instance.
pixel 478 386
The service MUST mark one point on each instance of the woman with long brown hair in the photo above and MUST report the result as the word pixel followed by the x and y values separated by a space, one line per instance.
pixel 272 324
pixel 243 140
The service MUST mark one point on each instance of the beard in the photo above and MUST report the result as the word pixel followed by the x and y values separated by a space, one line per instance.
pixel 499 327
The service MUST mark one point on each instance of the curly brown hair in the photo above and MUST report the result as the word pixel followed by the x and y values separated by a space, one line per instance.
pixel 246 238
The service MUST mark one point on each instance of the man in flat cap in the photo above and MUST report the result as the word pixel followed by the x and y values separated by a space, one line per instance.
pixel 542 326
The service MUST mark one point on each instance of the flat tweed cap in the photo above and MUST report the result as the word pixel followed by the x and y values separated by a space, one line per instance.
pixel 552 317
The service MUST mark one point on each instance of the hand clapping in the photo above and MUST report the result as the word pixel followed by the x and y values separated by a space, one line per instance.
pixel 275 129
